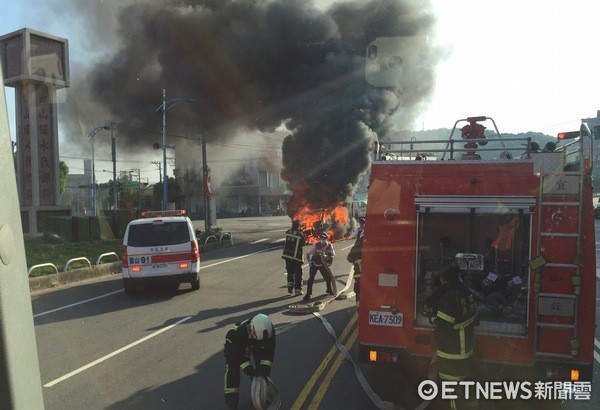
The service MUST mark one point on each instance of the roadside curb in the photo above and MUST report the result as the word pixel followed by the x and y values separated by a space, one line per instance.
pixel 76 275
pixel 55 280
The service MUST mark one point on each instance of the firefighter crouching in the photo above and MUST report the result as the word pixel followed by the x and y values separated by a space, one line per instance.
pixel 454 316
pixel 292 253
pixel 251 339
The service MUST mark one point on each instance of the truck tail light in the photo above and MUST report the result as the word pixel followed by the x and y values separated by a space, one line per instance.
pixel 195 252
pixel 574 375
pixel 184 265
pixel 124 256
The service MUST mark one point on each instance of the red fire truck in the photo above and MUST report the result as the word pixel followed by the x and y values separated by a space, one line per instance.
pixel 517 219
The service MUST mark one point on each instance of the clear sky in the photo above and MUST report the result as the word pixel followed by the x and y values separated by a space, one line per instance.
pixel 529 64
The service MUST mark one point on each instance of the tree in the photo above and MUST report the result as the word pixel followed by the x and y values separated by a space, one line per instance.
pixel 64 171
pixel 174 194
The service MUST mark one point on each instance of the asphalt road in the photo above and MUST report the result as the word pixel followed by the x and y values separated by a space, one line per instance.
pixel 99 349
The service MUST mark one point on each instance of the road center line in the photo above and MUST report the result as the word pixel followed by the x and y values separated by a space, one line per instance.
pixel 260 240
pixel 313 380
pixel 116 352
pixel 332 371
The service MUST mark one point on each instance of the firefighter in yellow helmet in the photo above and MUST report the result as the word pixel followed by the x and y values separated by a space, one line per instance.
pixel 251 339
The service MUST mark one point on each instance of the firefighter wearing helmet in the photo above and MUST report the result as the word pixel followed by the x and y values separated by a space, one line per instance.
pixel 292 254
pixel 454 317
pixel 320 256
pixel 250 339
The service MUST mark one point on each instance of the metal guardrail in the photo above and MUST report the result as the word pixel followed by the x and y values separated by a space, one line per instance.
pixel 211 236
pixel 42 265
pixel 106 254
pixel 226 236
pixel 82 258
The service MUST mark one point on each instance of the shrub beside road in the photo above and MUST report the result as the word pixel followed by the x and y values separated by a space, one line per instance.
pixel 37 251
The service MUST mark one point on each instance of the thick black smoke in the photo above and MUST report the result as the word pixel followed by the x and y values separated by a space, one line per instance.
pixel 255 64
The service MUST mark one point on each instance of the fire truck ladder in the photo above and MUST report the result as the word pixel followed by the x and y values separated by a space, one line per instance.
pixel 563 307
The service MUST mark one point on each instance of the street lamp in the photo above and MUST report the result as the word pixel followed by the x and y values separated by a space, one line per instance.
pixel 164 107
pixel 92 135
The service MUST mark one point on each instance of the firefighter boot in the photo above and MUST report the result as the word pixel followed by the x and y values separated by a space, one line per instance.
pixel 232 400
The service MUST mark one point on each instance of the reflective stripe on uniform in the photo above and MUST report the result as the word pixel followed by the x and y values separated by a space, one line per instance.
pixel 266 362
pixel 356 276
pixel 464 324
pixel 461 332
pixel 451 356
pixel 245 364
pixel 445 376
pixel 228 389
pixel 446 317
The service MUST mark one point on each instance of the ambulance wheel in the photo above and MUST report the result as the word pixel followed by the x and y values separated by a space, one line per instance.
pixel 195 283
pixel 128 287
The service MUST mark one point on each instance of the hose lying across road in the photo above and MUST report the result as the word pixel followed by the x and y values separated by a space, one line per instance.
pixel 377 401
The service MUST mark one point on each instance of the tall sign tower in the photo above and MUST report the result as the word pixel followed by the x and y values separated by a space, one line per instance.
pixel 36 65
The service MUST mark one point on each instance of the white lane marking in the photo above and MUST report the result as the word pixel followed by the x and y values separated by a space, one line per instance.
pixel 597 357
pixel 116 352
pixel 597 343
pixel 234 259
pixel 77 303
pixel 349 246
pixel 260 240
pixel 121 290
pixel 279 240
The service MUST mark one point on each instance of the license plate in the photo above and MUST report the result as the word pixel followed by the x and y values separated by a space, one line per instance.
pixel 386 319
pixel 137 260
pixel 159 265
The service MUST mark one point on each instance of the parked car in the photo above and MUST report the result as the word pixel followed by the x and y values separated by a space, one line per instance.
pixel 160 247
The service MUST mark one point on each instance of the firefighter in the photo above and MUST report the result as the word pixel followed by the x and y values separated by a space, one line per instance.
pixel 454 320
pixel 292 253
pixel 320 256
pixel 355 258
pixel 251 339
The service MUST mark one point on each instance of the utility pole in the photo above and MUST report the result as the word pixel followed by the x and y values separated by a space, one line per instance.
pixel 114 164
pixel 207 193
pixel 159 165
pixel 139 178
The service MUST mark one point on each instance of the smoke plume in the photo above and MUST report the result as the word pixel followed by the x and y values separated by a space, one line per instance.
pixel 258 64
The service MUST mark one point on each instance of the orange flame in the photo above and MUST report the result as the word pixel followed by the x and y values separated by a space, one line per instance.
pixel 332 221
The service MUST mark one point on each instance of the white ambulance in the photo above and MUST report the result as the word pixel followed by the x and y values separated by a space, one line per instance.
pixel 160 247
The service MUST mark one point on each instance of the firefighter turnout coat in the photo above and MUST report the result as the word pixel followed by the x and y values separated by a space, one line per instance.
pixel 454 332
pixel 292 248
pixel 240 349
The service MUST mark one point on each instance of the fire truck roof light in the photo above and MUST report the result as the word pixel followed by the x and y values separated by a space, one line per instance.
pixel 176 212
pixel 568 135
pixel 476 119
